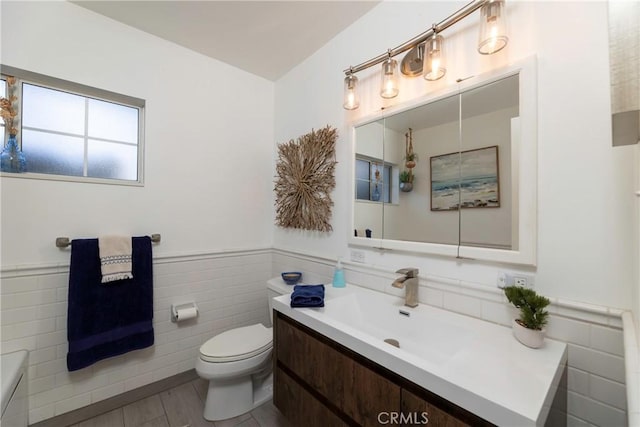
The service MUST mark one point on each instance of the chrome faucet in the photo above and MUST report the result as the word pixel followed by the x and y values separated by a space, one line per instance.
pixel 409 281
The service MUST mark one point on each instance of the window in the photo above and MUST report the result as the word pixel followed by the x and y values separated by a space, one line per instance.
pixel 373 180
pixel 72 131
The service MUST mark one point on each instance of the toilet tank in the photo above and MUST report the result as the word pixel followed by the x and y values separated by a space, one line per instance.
pixel 275 288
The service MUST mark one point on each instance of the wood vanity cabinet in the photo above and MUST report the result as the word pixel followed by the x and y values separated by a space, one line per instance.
pixel 318 382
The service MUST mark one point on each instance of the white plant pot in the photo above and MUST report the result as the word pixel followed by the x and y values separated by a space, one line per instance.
pixel 529 337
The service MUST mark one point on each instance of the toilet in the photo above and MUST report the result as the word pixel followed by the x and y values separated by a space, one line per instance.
pixel 237 364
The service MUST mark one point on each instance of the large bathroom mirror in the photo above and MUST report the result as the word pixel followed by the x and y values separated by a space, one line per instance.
pixel 454 174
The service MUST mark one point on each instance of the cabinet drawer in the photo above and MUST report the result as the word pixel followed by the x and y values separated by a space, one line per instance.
pixel 299 406
pixel 356 390
pixel 368 395
pixel 315 363
pixel 414 407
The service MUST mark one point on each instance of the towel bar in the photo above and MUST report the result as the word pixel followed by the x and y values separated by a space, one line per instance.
pixel 63 242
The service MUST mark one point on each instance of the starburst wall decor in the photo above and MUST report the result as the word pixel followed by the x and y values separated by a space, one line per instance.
pixel 305 180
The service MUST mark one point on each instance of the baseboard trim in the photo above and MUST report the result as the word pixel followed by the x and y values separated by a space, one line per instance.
pixel 98 408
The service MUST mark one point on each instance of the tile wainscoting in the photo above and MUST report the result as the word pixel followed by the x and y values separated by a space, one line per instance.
pixel 229 288
pixel 596 371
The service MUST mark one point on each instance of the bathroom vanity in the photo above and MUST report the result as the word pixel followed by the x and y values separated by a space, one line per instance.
pixel 332 366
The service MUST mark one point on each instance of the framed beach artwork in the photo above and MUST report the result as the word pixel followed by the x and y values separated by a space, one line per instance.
pixel 469 179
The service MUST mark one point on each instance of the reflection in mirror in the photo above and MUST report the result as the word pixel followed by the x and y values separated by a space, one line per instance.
pixel 465 149
pixel 369 159
pixel 430 129
pixel 489 136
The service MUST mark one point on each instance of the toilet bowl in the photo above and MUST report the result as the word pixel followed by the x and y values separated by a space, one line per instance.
pixel 237 364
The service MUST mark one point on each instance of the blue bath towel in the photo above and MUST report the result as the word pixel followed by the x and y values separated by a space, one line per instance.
pixel 106 320
pixel 307 296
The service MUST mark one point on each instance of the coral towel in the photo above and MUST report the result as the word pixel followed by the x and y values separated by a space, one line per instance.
pixel 115 258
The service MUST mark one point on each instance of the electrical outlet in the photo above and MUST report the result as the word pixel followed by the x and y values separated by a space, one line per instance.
pixel 520 281
pixel 515 279
pixel 357 256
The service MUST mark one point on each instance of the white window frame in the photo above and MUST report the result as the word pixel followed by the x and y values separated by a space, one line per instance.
pixel 23 76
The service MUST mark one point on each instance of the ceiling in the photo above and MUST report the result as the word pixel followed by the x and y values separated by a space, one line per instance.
pixel 266 38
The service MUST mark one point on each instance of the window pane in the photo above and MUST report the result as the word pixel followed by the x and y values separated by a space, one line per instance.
pixel 112 160
pixel 50 109
pixel 112 121
pixel 362 190
pixel 386 179
pixel 362 169
pixel 53 154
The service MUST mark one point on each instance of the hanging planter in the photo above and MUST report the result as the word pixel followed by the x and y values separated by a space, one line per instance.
pixel 410 157
pixel 406 181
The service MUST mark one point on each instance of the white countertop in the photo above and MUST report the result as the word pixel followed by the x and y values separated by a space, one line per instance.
pixel 474 364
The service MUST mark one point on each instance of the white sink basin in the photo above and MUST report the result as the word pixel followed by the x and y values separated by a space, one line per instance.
pixel 475 364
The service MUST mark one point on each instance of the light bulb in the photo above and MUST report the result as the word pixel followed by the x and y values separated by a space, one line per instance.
pixel 493 27
pixel 389 79
pixel 351 101
pixel 434 61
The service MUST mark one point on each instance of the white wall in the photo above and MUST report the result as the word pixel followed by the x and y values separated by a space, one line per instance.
pixel 585 208
pixel 208 141
pixel 208 157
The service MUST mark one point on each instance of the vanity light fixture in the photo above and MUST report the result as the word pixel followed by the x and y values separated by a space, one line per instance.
pixel 429 45
pixel 351 100
pixel 434 60
pixel 493 27
pixel 389 78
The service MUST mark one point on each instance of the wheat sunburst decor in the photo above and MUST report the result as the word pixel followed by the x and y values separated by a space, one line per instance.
pixel 305 179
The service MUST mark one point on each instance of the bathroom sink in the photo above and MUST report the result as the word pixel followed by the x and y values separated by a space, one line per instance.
pixel 384 316
pixel 475 364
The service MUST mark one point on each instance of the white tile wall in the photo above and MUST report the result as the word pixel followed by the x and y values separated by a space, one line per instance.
pixel 596 377
pixel 230 291
pixel 229 288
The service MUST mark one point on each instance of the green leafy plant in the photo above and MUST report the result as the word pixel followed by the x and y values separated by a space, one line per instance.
pixel 406 176
pixel 531 305
pixel 411 157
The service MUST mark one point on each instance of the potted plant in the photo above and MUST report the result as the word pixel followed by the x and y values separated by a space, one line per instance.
pixel 406 181
pixel 529 327
pixel 410 160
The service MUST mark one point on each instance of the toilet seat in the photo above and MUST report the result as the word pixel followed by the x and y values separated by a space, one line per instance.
pixel 237 344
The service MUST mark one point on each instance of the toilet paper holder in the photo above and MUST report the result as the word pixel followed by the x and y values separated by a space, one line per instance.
pixel 183 311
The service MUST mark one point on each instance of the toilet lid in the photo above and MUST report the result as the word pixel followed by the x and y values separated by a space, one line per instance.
pixel 237 344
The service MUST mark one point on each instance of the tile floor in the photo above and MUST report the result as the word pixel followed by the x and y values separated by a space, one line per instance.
pixel 180 407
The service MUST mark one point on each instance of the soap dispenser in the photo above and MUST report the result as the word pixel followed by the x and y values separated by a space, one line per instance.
pixel 338 276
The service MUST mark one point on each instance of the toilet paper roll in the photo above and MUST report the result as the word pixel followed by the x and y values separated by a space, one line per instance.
pixel 185 313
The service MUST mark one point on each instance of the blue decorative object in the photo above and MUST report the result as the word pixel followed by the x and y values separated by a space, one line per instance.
pixel 291 277
pixel 12 158
pixel 375 196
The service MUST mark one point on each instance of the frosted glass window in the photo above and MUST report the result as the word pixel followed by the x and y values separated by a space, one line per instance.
pixel 66 130
pixel 367 183
pixel 113 121
pixel 49 109
pixel 112 160
pixel 53 154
